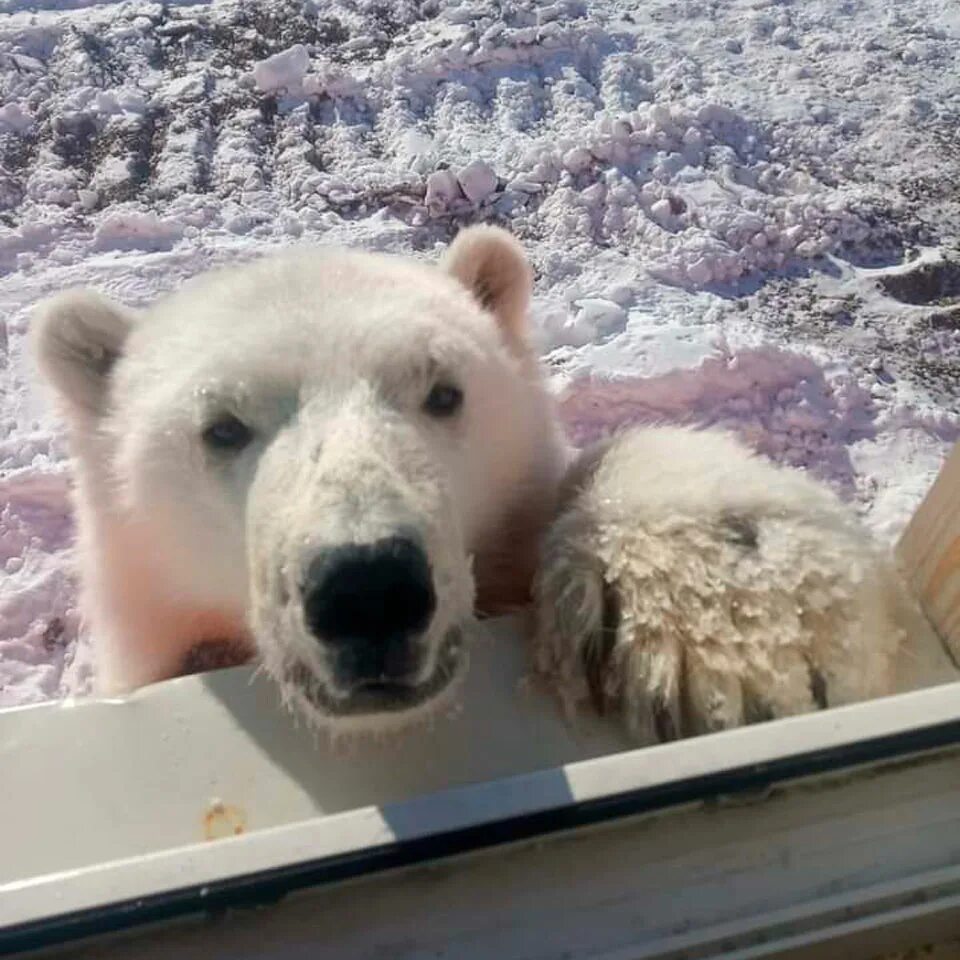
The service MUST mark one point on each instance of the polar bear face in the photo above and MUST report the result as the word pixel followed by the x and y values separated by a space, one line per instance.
pixel 332 451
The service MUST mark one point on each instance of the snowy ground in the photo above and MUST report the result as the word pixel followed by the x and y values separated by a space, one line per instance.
pixel 740 211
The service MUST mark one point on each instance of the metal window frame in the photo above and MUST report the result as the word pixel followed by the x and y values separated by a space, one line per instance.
pixel 918 732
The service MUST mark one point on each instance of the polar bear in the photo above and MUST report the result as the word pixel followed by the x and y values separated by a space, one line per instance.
pixel 332 460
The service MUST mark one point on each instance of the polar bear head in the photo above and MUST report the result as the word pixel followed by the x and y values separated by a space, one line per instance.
pixel 333 456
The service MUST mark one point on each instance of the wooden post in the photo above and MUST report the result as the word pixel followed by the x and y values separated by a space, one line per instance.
pixel 929 553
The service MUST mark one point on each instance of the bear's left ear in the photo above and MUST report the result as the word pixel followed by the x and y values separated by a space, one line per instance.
pixel 78 336
pixel 492 266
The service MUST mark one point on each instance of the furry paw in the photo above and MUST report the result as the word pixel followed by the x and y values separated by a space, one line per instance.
pixel 690 587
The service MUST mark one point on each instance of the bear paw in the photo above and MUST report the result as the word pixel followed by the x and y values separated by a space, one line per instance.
pixel 689 588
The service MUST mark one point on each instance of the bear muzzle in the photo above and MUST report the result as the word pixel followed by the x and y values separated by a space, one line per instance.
pixel 369 605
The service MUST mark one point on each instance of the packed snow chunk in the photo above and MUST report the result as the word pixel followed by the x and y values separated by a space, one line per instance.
pixel 602 315
pixel 332 81
pixel 577 160
pixel 662 211
pixel 574 332
pixel 14 119
pixel 477 181
pixel 557 328
pixel 442 190
pixel 190 87
pixel 419 151
pixel 53 185
pixel 88 198
pixel 699 272
pixel 282 71
pixel 136 230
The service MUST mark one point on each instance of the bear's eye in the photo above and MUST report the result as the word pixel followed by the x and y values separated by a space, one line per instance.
pixel 443 400
pixel 227 433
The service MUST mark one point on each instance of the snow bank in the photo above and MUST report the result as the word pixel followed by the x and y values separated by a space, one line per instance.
pixel 780 403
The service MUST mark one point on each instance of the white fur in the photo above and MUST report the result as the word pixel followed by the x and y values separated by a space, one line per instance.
pixel 644 589
pixel 690 586
pixel 328 355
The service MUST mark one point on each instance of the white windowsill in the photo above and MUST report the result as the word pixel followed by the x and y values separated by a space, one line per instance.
pixel 104 825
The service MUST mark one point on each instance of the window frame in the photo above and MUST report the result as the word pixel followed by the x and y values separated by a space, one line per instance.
pixel 842 744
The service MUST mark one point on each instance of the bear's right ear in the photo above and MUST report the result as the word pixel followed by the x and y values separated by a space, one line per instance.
pixel 491 264
pixel 78 337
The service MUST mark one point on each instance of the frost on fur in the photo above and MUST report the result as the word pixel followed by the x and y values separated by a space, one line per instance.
pixel 292 459
pixel 691 587
pixel 332 460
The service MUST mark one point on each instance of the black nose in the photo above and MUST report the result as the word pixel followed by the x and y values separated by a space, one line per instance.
pixel 369 596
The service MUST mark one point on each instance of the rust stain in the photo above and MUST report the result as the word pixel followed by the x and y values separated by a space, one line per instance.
pixel 223 820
